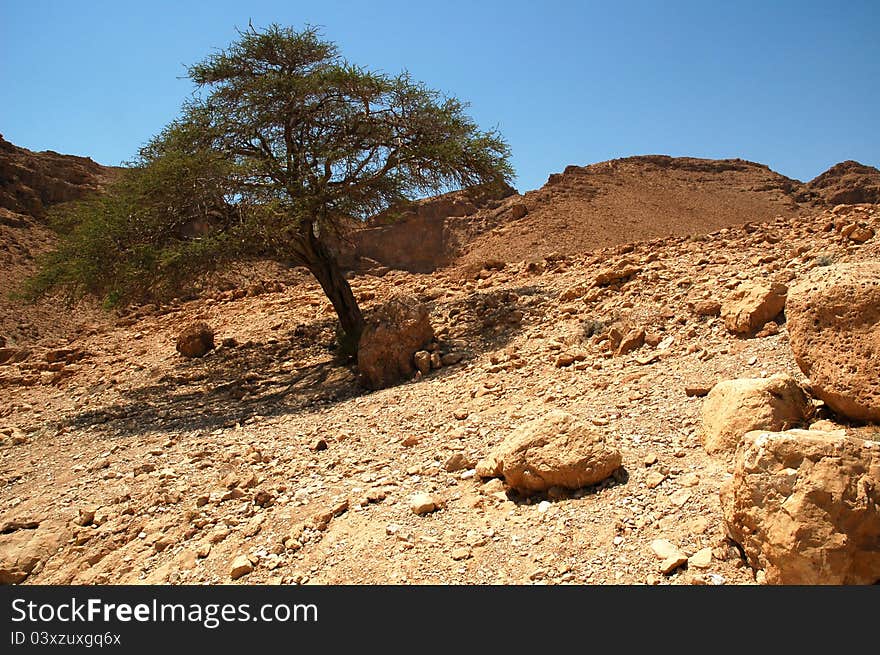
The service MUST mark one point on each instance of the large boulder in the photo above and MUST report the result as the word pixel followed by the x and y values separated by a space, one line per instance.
pixel 805 507
pixel 392 336
pixel 734 407
pixel 834 328
pixel 553 451
pixel 751 305
pixel 195 340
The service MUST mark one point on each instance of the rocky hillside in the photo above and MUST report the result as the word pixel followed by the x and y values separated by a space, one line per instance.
pixel 637 198
pixel 848 182
pixel 601 205
pixel 265 461
pixel 30 182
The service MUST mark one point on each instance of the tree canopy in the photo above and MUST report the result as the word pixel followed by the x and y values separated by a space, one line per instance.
pixel 283 143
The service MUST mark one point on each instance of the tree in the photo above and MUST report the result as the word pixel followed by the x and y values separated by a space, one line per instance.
pixel 284 144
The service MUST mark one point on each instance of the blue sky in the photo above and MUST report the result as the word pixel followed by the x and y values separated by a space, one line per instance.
pixel 795 85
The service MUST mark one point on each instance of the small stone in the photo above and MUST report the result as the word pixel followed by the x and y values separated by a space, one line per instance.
pixel 651 459
pixel 422 503
pixel 460 414
pixel 493 486
pixel 671 557
pixel 318 445
pixel 565 359
pixel 664 549
pixel 461 553
pixel 707 308
pixel 241 566
pixel 697 390
pixel 85 517
pixel 451 358
pixel 654 479
pixel 457 462
pixel 702 559
pixel 680 497
pixel 195 340
pixel 422 360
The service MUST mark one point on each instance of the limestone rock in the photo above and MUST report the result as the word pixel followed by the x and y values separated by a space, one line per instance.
pixel 391 338
pixel 834 328
pixel 671 557
pixel 707 308
pixel 552 451
pixel 623 270
pixel 13 355
pixel 751 305
pixel 702 559
pixel 734 407
pixel 633 340
pixel 241 566
pixel 805 507
pixel 195 340
pixel 22 551
pixel 422 503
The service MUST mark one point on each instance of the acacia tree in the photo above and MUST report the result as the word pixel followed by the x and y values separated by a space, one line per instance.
pixel 284 144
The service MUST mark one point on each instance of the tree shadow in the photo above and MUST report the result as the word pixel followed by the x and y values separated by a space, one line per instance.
pixel 233 384
pixel 296 372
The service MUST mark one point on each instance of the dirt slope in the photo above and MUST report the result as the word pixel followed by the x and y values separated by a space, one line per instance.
pixel 123 463
pixel 31 182
pixel 636 198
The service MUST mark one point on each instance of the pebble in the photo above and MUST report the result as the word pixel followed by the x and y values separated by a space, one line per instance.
pixel 702 559
pixel 422 503
pixel 241 566
pixel 461 553
pixel 671 556
pixel 654 479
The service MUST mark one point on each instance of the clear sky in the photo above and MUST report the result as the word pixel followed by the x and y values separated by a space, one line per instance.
pixel 792 84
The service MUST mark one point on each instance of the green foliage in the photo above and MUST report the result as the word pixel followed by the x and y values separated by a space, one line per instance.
pixel 284 141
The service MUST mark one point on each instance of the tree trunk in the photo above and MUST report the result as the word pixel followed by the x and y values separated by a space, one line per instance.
pixel 323 266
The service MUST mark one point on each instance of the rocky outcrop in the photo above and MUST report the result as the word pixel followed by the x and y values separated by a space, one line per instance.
pixel 395 332
pixel 805 507
pixel 751 305
pixel 32 181
pixel 553 451
pixel 195 340
pixel 735 407
pixel 848 182
pixel 424 235
pixel 834 328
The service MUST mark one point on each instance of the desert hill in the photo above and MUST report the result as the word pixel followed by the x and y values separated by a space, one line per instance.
pixel 848 182
pixel 265 461
pixel 649 197
pixel 30 183
pixel 601 205
pixel 578 210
